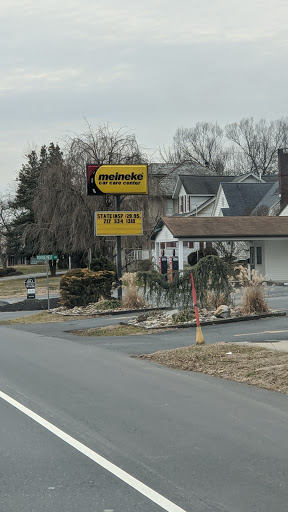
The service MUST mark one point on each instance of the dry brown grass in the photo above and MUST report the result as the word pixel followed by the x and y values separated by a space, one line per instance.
pixel 16 287
pixel 131 298
pixel 260 367
pixel 43 318
pixel 112 330
pixel 254 292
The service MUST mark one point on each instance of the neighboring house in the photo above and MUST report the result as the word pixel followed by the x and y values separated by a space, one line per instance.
pixel 196 195
pixel 234 199
pixel 267 238
pixel 163 179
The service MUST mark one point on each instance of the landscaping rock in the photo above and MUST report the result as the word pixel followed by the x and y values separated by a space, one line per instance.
pixel 223 312
pixel 171 313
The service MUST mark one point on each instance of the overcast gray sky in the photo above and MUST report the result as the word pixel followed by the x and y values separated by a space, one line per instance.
pixel 149 66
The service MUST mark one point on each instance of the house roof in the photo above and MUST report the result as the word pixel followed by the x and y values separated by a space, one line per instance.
pixel 166 175
pixel 201 185
pixel 242 198
pixel 241 177
pixel 223 228
pixel 270 199
pixel 270 178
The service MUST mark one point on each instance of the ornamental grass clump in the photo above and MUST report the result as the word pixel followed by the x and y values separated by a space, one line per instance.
pixel 254 293
pixel 131 296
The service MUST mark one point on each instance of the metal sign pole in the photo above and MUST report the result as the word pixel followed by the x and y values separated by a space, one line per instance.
pixel 119 262
pixel 47 276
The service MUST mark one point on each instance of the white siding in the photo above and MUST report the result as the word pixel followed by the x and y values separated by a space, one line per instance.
pixel 276 260
pixel 207 211
pixel 250 179
pixel 182 191
pixel 222 203
pixel 284 212
pixel 164 235
pixel 169 207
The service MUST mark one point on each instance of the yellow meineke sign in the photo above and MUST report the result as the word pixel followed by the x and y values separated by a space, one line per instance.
pixel 122 179
pixel 118 223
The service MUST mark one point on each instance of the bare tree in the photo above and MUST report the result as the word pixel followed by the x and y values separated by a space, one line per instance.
pixel 6 217
pixel 63 213
pixel 256 144
pixel 204 143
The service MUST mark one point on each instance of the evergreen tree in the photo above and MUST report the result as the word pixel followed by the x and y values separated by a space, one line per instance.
pixel 23 203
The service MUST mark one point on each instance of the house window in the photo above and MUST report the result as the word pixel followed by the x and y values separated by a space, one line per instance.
pixel 190 245
pixel 162 245
pixel 181 204
pixel 252 257
pixel 170 244
pixel 189 204
pixel 259 255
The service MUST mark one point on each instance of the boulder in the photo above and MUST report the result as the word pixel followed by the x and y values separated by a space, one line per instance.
pixel 223 312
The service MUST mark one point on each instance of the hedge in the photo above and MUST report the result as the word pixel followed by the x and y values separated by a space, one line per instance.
pixel 81 287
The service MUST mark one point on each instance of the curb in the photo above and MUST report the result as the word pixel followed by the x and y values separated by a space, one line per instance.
pixel 215 322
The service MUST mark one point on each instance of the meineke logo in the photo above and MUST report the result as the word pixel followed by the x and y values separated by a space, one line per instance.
pixel 121 177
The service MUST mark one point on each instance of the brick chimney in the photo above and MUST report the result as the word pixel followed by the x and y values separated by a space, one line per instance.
pixel 283 176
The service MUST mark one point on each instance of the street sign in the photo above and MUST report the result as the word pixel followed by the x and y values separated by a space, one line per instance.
pixel 118 223
pixel 117 179
pixel 45 257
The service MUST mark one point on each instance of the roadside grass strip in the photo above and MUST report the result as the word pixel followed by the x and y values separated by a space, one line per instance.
pixel 257 366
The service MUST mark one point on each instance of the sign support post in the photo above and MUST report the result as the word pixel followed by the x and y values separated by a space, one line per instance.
pixel 47 277
pixel 47 258
pixel 119 249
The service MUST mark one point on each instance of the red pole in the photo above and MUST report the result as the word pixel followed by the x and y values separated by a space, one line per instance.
pixel 199 336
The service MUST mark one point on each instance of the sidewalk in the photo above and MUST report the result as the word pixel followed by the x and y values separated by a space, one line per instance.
pixel 278 346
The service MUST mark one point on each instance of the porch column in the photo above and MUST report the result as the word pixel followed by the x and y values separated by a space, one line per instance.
pixel 180 254
pixel 157 254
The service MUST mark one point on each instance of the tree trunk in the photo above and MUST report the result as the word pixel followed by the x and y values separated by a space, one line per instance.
pixel 3 261
pixel 53 267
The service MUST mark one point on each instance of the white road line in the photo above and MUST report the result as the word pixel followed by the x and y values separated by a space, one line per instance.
pixel 260 332
pixel 104 463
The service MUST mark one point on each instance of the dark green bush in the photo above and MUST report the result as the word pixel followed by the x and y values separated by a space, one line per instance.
pixel 81 287
pixel 108 304
pixel 10 271
pixel 145 265
pixel 195 256
pixel 102 263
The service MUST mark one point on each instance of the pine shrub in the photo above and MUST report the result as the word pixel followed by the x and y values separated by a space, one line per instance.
pixel 81 287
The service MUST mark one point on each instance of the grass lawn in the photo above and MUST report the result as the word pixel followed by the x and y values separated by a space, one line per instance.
pixel 16 287
pixel 112 330
pixel 258 366
pixel 30 269
pixel 42 318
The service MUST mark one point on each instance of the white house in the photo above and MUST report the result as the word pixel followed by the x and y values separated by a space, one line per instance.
pixel 267 238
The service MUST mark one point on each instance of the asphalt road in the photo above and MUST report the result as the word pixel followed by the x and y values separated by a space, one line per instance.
pixel 203 443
